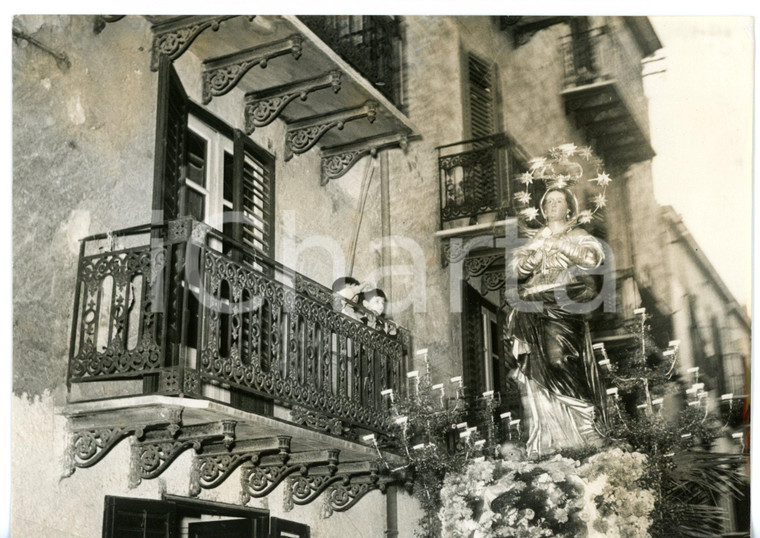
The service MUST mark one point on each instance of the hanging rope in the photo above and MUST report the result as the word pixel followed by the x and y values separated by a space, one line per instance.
pixel 369 171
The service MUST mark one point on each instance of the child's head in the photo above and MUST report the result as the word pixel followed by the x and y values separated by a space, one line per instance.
pixel 373 300
pixel 347 287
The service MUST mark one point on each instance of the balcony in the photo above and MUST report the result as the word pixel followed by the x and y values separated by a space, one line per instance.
pixel 603 92
pixel 371 44
pixel 476 179
pixel 184 339
pixel 334 81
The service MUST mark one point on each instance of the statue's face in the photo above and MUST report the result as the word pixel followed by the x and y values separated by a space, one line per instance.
pixel 555 206
pixel 376 305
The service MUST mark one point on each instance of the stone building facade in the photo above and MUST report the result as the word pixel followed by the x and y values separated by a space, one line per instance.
pixel 90 159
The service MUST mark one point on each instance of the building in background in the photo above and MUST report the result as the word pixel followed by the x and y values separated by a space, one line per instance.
pixel 192 186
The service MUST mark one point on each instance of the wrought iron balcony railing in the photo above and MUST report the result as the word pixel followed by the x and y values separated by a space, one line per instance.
pixel 184 308
pixel 371 44
pixel 477 176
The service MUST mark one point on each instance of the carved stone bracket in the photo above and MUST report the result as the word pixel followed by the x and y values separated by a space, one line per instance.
pixel 158 451
pixel 302 135
pixel 215 465
pixel 222 74
pixel 312 419
pixel 87 446
pixel 173 38
pixel 337 161
pixel 261 108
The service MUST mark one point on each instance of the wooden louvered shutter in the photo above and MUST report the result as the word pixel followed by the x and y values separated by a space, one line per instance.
pixel 481 97
pixel 473 373
pixel 171 136
pixel 254 196
pixel 139 518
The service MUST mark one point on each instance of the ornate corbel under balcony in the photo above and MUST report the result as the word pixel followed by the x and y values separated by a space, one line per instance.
pixel 475 266
pixel 492 281
pixel 343 495
pixel 262 108
pixel 222 74
pixel 338 160
pixel 304 134
pixel 262 476
pixel 89 444
pixel 158 449
pixel 217 462
pixel 172 38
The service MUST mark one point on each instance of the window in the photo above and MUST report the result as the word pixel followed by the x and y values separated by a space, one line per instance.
pixel 180 517
pixel 480 102
pixel 208 170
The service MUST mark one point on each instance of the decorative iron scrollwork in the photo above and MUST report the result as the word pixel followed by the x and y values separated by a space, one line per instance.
pixel 223 74
pixel 257 481
pixel 313 419
pixel 303 135
pixel 262 108
pixel 342 496
pixel 475 266
pixel 337 161
pixel 174 40
pixel 492 281
pixel 153 456
pixel 209 471
pixel 215 465
pixel 88 447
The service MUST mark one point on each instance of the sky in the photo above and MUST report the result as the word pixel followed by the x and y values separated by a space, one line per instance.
pixel 701 121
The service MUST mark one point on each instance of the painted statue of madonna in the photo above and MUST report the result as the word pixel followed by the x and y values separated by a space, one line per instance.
pixel 562 394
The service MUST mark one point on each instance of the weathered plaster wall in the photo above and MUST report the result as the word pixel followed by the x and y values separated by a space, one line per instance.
pixel 82 163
